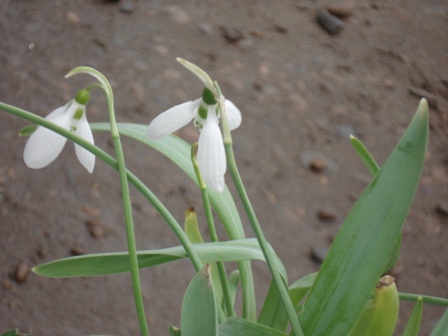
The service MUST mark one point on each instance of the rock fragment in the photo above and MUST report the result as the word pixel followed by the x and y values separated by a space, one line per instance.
pixel 21 273
pixel 318 253
pixel 331 24
pixel 326 215
pixel 96 229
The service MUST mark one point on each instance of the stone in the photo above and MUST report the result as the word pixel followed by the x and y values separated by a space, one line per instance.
pixel 331 24
pixel 326 215
pixel 318 253
pixel 21 273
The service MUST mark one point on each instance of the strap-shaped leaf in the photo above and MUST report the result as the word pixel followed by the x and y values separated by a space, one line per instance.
pixel 367 238
pixel 112 263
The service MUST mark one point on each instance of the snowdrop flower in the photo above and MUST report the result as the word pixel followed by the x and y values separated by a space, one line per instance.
pixel 205 115
pixel 44 145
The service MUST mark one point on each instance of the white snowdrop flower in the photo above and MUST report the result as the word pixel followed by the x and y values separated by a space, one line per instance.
pixel 44 145
pixel 205 115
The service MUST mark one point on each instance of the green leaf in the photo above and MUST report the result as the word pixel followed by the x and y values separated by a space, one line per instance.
pixel 273 314
pixel 367 239
pixel 199 316
pixel 112 263
pixel 236 326
pixel 413 325
pixel 441 328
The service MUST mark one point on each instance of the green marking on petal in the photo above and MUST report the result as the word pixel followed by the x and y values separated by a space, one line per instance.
pixel 203 111
pixel 78 114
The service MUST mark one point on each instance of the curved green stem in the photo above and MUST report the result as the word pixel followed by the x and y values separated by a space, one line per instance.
pixel 267 252
pixel 426 299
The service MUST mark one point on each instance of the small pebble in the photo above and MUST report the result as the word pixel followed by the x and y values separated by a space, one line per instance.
pixel 177 14
pixel 317 165
pixel 127 7
pixel 73 17
pixel 96 229
pixel 342 10
pixel 442 208
pixel 21 273
pixel 326 215
pixel 330 23
pixel 77 251
pixel 318 253
pixel 232 35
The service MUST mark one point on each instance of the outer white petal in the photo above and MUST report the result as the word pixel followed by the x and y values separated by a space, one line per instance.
pixel 211 154
pixel 85 157
pixel 172 120
pixel 233 115
pixel 44 145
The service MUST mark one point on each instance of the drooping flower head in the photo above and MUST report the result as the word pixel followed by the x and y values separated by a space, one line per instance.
pixel 205 114
pixel 44 145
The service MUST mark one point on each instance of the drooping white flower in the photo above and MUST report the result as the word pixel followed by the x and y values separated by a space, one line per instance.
pixel 205 115
pixel 44 145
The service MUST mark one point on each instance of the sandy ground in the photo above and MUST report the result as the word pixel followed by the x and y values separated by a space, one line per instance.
pixel 301 90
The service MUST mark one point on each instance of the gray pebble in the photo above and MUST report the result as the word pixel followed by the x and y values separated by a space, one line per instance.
pixel 330 23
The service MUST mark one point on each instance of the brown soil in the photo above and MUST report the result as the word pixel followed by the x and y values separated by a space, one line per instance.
pixel 300 90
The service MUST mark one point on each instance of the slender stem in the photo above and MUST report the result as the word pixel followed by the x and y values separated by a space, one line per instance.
pixel 212 231
pixel 126 197
pixel 267 252
pixel 426 299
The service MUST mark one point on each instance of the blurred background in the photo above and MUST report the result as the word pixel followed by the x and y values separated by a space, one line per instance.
pixel 305 74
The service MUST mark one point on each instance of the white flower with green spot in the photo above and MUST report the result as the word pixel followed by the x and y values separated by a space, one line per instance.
pixel 205 115
pixel 44 145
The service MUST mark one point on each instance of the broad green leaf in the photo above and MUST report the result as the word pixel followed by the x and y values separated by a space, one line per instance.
pixel 374 168
pixel 273 314
pixel 441 328
pixel 236 326
pixel 367 239
pixel 199 316
pixel 112 263
pixel 413 325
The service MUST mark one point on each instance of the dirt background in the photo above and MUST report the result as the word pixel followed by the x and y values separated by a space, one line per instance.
pixel 301 91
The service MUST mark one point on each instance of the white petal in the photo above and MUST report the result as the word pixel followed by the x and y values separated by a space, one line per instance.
pixel 233 115
pixel 85 157
pixel 172 119
pixel 44 145
pixel 211 154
